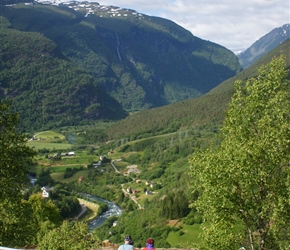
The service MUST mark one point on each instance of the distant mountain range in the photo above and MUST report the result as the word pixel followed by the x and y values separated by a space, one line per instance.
pixel 74 63
pixel 81 61
pixel 264 45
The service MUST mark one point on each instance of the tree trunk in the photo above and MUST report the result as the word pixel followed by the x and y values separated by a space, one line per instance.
pixel 251 239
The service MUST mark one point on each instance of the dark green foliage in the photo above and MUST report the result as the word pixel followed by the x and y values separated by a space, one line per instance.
pixel 193 218
pixel 175 205
pixel 153 174
pixel 67 204
pixel 16 157
pixel 47 89
pixel 71 171
pixel 91 136
pixel 44 178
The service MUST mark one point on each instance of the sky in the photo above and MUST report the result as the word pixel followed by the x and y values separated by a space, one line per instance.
pixel 234 24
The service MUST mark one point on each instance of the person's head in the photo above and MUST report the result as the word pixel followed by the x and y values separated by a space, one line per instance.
pixel 128 240
pixel 150 243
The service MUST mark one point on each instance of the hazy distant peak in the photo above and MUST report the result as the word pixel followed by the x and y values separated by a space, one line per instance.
pixel 264 45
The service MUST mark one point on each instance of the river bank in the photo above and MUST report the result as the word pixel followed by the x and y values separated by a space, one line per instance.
pixel 91 211
pixel 94 222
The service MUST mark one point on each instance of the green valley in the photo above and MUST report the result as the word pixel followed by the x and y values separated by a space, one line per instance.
pixel 137 111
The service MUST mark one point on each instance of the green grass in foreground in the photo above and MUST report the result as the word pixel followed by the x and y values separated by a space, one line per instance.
pixel 186 236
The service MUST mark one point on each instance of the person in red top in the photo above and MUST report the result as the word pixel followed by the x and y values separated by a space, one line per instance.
pixel 149 244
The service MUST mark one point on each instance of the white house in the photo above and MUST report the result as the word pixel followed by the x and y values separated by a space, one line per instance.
pixel 46 190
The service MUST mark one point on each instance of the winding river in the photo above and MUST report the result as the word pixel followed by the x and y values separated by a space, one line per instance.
pixel 113 209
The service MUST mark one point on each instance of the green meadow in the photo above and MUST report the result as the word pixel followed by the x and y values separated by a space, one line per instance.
pixel 49 140
pixel 49 135
pixel 61 169
pixel 48 145
pixel 185 236
pixel 58 176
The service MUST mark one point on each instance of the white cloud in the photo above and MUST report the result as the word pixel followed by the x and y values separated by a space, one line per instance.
pixel 233 24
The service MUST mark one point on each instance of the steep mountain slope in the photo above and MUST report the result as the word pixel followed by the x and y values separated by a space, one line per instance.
pixel 47 89
pixel 141 61
pixel 265 44
pixel 207 110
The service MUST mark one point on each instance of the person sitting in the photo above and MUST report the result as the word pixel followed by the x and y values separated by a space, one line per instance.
pixel 128 244
pixel 149 244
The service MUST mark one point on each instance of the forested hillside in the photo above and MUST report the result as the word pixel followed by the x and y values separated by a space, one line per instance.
pixel 47 89
pixel 139 61
pixel 207 110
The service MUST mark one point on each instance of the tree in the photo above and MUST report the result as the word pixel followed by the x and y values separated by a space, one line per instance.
pixel 175 205
pixel 45 215
pixel 244 182
pixel 15 159
pixel 16 156
pixel 69 236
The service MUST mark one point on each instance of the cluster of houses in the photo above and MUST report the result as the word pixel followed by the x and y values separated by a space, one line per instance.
pixel 147 192
pixel 56 155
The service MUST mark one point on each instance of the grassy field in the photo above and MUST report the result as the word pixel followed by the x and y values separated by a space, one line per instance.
pixel 185 236
pixel 49 145
pixel 49 135
pixel 61 169
pixel 49 140
pixel 58 176
pixel 80 158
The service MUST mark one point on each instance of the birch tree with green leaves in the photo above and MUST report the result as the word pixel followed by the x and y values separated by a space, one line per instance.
pixel 15 159
pixel 244 183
